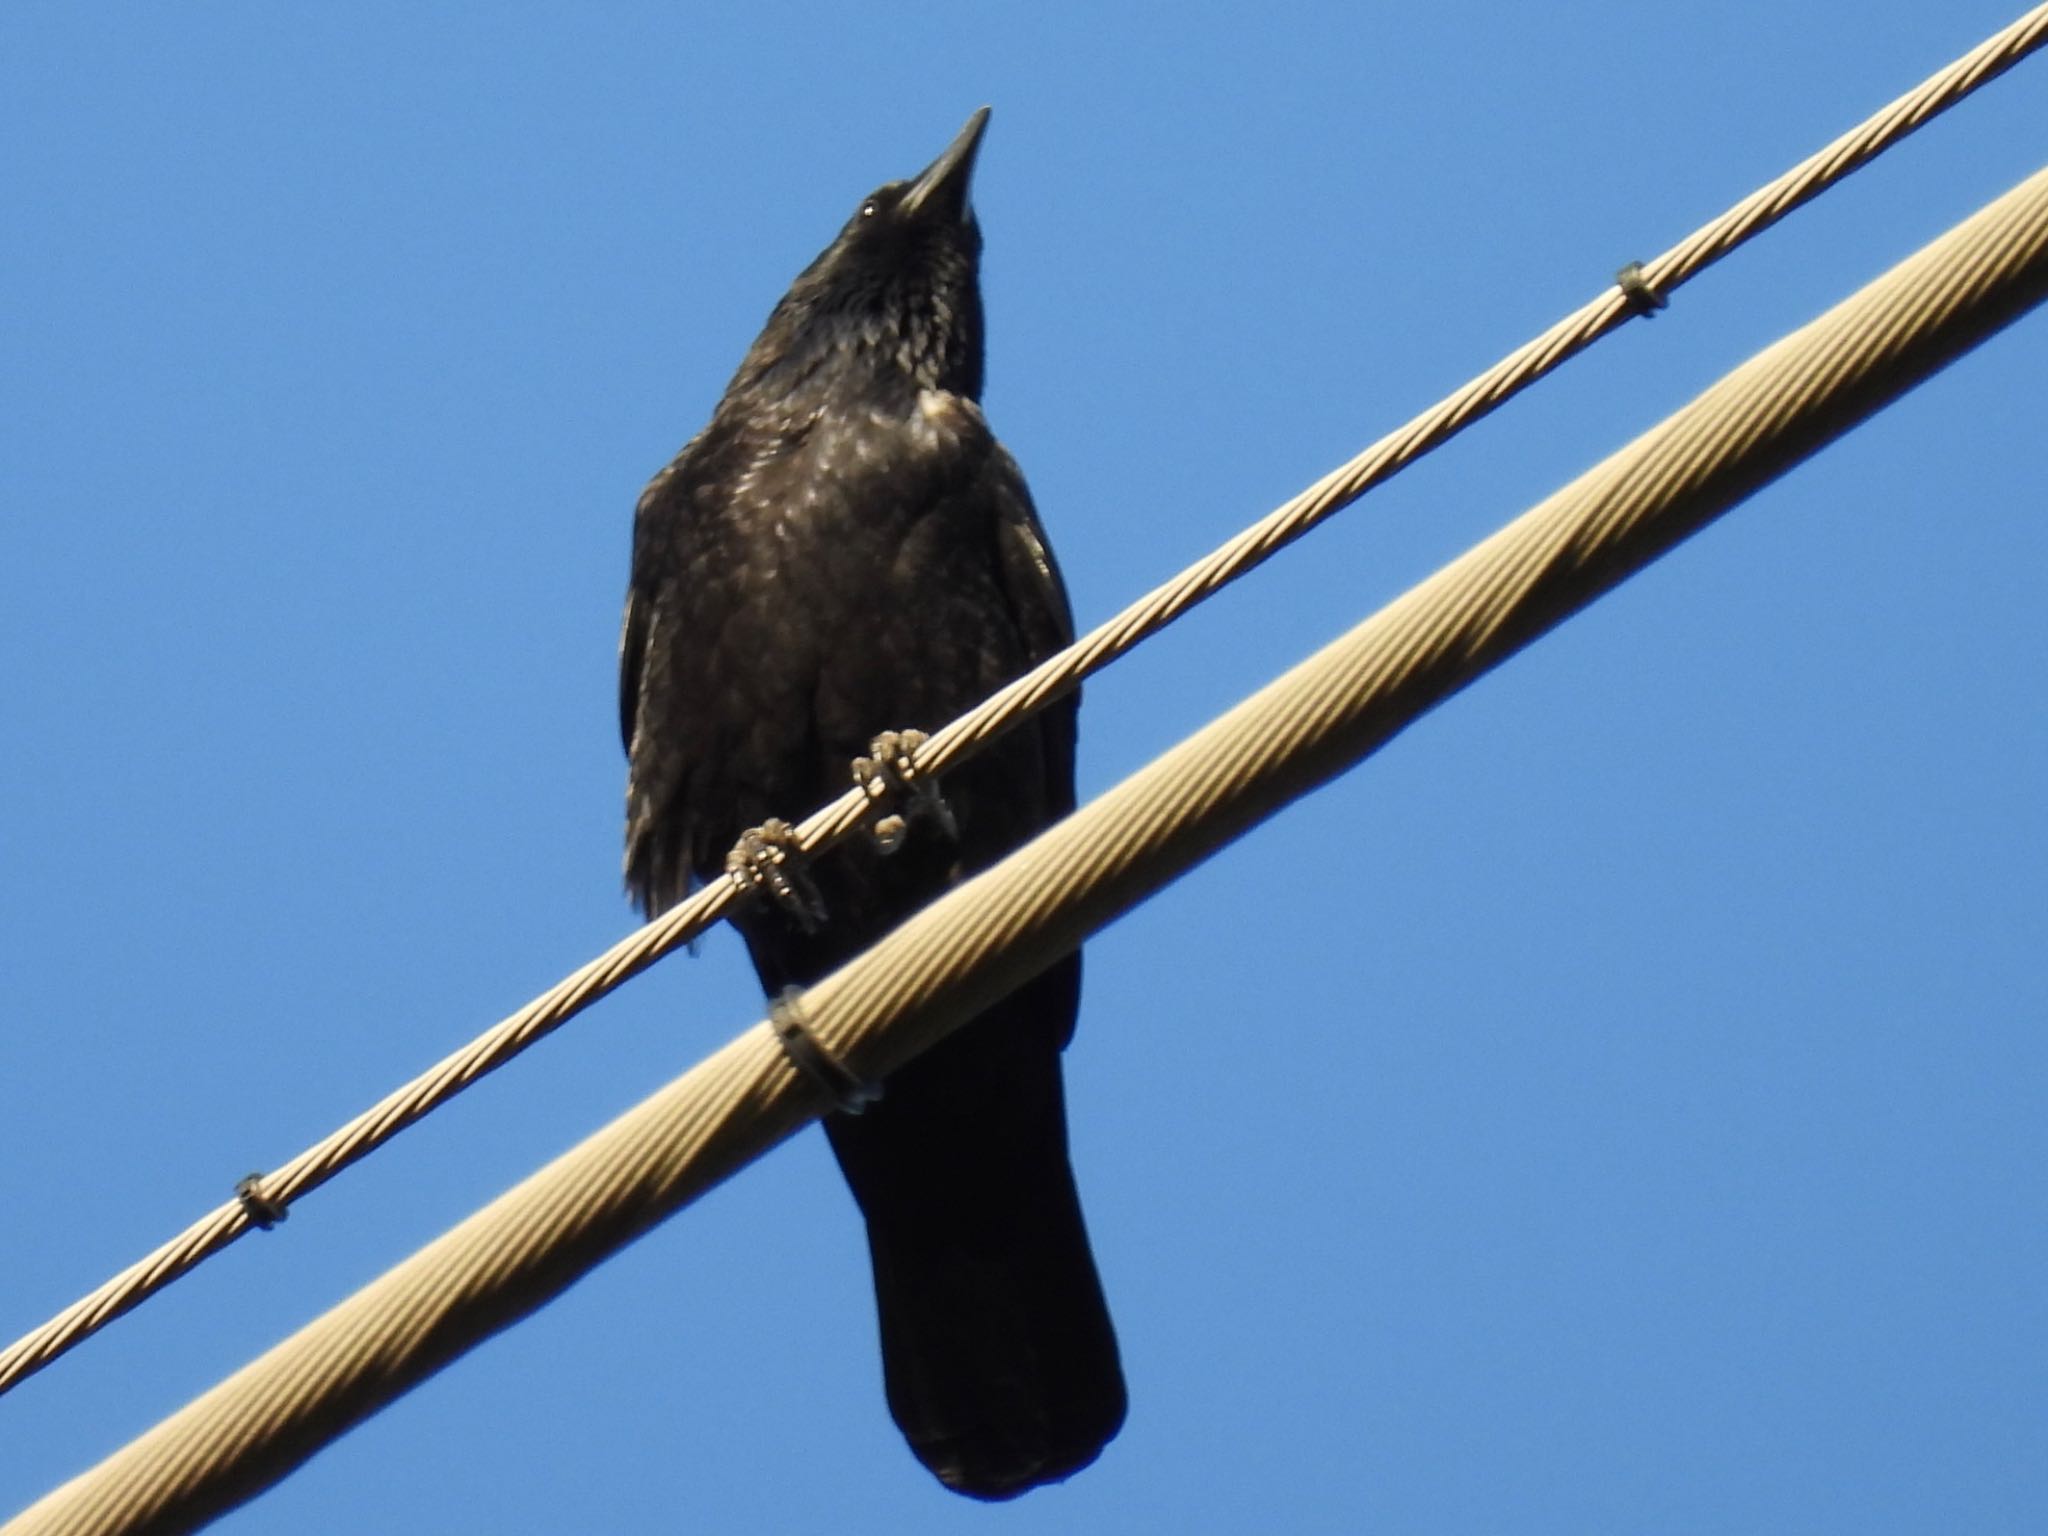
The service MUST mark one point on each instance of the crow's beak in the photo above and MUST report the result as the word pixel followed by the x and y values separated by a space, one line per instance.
pixel 942 188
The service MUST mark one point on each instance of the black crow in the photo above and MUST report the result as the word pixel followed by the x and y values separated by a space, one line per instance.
pixel 846 550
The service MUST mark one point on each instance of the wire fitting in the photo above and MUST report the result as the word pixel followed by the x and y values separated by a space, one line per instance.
pixel 889 774
pixel 849 1093
pixel 256 1205
pixel 1635 287
pixel 770 860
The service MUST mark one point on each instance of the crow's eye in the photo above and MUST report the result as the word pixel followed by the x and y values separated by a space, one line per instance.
pixel 870 208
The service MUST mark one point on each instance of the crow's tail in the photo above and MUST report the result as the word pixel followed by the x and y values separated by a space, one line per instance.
pixel 997 1349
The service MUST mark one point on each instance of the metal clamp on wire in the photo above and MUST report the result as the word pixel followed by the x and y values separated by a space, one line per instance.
pixel 769 860
pixel 849 1094
pixel 888 775
pixel 1635 287
pixel 256 1205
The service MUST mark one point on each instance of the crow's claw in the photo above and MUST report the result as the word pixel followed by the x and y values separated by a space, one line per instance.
pixel 768 860
pixel 888 774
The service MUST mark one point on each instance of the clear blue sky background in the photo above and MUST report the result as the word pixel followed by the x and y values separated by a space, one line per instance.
pixel 1616 1107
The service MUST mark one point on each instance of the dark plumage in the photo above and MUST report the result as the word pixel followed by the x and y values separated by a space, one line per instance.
pixel 844 550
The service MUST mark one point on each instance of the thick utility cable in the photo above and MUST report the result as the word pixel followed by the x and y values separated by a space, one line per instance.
pixel 276 1192
pixel 964 950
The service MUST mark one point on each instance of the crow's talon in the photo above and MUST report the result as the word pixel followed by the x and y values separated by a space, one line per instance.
pixel 888 833
pixel 768 860
pixel 889 772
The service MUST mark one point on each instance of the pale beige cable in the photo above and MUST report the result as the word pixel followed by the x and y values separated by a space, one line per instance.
pixel 950 960
pixel 633 954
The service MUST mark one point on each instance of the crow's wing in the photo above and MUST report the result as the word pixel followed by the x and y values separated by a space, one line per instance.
pixel 1038 601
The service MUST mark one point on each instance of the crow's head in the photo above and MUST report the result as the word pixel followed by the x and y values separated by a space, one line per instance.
pixel 897 295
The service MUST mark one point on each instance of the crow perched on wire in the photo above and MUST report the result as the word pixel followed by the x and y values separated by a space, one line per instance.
pixel 845 550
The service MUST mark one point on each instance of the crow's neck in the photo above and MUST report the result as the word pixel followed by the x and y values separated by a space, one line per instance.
pixel 883 358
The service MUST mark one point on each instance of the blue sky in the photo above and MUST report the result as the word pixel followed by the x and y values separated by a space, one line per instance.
pixel 1616 1107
